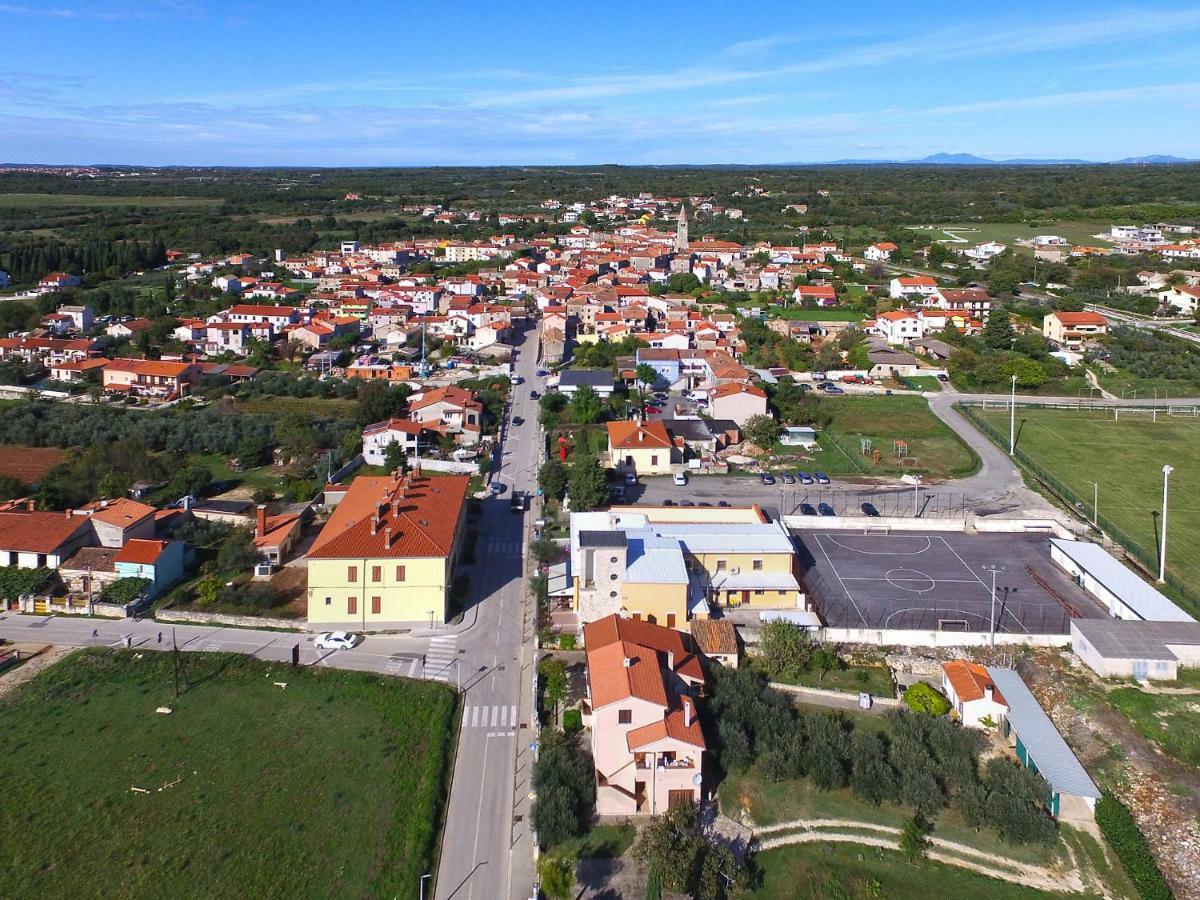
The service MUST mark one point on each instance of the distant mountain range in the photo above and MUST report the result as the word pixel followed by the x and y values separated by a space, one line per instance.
pixel 969 159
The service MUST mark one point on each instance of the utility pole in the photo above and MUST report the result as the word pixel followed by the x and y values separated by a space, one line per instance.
pixel 916 493
pixel 1162 549
pixel 1012 419
pixel 1095 503
pixel 992 619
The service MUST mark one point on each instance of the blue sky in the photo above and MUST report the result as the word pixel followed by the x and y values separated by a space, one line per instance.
pixel 160 82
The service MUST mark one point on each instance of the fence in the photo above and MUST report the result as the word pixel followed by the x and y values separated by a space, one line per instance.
pixel 903 503
pixel 1147 560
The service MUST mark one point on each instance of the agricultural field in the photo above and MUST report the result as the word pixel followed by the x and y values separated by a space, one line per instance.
pixel 333 787
pixel 45 201
pixel 933 448
pixel 28 464
pixel 1125 458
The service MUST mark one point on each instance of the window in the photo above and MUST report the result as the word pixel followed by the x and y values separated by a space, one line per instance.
pixel 351 605
pixel 654 459
pixel 625 716
pixel 720 565
pixel 352 573
pixel 613 577
pixel 757 565
pixel 613 560
pixel 399 573
pixel 670 620
pixel 377 573
pixel 375 606
pixel 329 601
pixel 612 594
pixel 758 593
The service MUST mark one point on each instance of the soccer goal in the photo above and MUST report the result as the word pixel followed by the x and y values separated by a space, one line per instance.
pixel 953 625
pixel 877 529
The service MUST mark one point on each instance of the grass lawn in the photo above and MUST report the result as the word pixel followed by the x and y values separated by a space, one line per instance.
pixel 877 680
pixel 936 450
pixel 822 314
pixel 26 201
pixel 333 787
pixel 265 477
pixel 1170 722
pixel 1125 457
pixel 601 842
pixel 1079 231
pixel 1125 384
pixel 1073 386
pixel 849 872
pixel 312 407
pixel 922 383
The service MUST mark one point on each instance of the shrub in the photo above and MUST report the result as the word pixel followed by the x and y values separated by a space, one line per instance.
pixel 16 582
pixel 1123 835
pixel 125 590
pixel 572 721
pixel 567 641
pixel 922 698
pixel 564 786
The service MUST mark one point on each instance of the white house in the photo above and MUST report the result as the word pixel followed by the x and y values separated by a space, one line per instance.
pixel 880 252
pixel 899 325
pixel 913 286
pixel 972 694
pixel 378 437
pixel 1183 297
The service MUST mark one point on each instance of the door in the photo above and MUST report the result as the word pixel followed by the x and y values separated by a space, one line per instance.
pixel 680 798
pixel 745 596
pixel 639 794
pixel 1140 669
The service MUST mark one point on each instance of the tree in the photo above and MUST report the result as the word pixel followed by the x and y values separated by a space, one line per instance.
pixel 588 483
pixel 761 430
pixel 394 457
pixel 998 332
pixel 1016 803
pixel 647 374
pixel 914 837
pixel 552 479
pixel 545 551
pixel 922 698
pixel 785 648
pixel 683 860
pixel 565 792
pixel 585 406
pixel 251 450
pixel 238 553
pixel 554 683
pixel 556 872
pixel 871 777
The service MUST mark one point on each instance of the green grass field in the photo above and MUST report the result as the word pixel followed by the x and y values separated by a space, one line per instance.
pixel 1170 722
pixel 332 787
pixel 31 201
pixel 850 872
pixel 936 450
pixel 314 407
pixel 1125 458
pixel 1078 231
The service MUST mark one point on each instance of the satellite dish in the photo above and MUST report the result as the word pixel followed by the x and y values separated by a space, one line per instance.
pixel 697 779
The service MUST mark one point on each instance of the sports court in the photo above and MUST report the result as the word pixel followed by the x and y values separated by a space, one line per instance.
pixel 939 581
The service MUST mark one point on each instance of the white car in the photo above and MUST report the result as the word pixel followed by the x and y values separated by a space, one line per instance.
pixel 680 479
pixel 336 640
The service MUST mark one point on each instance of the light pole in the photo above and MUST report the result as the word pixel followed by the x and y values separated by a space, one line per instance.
pixel 992 619
pixel 1162 547
pixel 1095 503
pixel 423 877
pixel 916 493
pixel 1012 418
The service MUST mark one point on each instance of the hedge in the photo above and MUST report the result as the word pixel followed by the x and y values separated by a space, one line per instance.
pixel 16 582
pixel 1123 835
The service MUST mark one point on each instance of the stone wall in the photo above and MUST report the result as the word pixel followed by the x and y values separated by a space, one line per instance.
pixel 203 618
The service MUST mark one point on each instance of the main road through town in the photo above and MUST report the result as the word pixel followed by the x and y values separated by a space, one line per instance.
pixel 486 851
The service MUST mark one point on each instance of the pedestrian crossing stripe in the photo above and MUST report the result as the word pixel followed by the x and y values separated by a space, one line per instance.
pixel 489 716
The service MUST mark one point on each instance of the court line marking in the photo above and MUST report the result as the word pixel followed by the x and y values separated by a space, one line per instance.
pixel 987 590
pixel 838 576
pixel 837 543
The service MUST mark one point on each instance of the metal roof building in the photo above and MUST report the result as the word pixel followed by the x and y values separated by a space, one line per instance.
pixel 1041 748
pixel 1126 595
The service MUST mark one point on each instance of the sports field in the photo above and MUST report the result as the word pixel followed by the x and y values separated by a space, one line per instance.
pixel 1125 458
pixel 963 234
pixel 329 786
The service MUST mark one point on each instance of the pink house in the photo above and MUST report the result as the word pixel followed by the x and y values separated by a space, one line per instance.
pixel 647 745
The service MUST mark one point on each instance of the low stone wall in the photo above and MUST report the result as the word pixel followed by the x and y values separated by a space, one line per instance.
pixel 451 465
pixel 203 618
pixel 884 637
pixel 862 523
pixel 803 690
pixel 1023 526
pixel 58 607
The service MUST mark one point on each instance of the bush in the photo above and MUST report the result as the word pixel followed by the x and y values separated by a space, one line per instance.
pixel 564 786
pixel 566 642
pixel 572 721
pixel 922 698
pixel 1123 835
pixel 125 590
pixel 16 582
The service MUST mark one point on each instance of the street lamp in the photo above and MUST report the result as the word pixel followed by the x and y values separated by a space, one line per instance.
pixel 916 493
pixel 1162 547
pixel 423 877
pixel 1095 503
pixel 1012 418
pixel 992 619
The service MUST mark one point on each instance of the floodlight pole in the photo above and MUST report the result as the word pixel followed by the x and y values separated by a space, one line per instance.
pixel 916 493
pixel 992 619
pixel 1162 548
pixel 1012 419
pixel 423 877
pixel 1095 503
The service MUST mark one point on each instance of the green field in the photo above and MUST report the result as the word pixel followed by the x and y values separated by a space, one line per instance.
pixel 1125 458
pixel 1078 231
pixel 313 407
pixel 934 449
pixel 332 787
pixel 33 201
pixel 1170 721
pixel 831 871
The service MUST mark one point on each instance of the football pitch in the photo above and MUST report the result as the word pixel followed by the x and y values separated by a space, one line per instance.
pixel 1124 459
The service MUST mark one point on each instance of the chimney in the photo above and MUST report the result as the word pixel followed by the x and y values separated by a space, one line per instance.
pixel 387 536
pixel 628 663
pixel 988 692
pixel 31 504
pixel 374 525
pixel 687 713
pixel 671 660
pixel 260 529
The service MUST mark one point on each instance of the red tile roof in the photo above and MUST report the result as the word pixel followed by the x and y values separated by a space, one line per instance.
pixel 141 552
pixel 37 532
pixel 969 680
pixel 637 435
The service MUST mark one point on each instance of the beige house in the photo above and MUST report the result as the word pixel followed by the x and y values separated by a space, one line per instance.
pixel 737 402
pixel 642 448
pixel 1073 329
pixel 647 745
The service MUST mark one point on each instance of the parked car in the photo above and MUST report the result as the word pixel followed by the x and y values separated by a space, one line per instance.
pixel 336 640
pixel 788 478
pixel 942 376
pixel 870 510
pixel 825 509
pixel 533 395
pixel 807 509
pixel 651 410
pixel 704 503
pixel 724 504
pixel 518 421
pixel 821 477
pixel 680 479
pixel 631 478
pixel 668 502
pixel 686 503
pixel 496 487
pixel 768 478
pixel 518 379
pixel 519 501
pixel 830 388
pixel 804 478
pixel 543 373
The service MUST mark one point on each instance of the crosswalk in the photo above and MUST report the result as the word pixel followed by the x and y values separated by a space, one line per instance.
pixel 439 659
pixel 499 719
pixel 498 547
pixel 403 665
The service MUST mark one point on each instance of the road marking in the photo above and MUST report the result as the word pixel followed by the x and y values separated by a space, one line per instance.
pixel 495 715
pixel 512 721
pixel 212 647
pixel 474 716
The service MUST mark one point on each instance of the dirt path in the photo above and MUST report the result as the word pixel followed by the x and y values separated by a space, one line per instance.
pixel 13 679
pixel 950 852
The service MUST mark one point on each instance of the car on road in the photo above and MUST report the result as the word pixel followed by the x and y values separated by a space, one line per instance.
pixel 942 376
pixel 825 509
pixel 830 388
pixel 804 478
pixel 518 421
pixel 543 373
pixel 807 509
pixel 519 501
pixel 768 478
pixel 631 478
pixel 679 478
pixel 686 503
pixel 336 640
pixel 870 510
pixel 788 478
pixel 651 410
pixel 496 487
pixel 821 477
pixel 518 379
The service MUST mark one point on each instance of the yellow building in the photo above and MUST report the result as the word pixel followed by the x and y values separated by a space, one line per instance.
pixel 386 556
pixel 641 448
